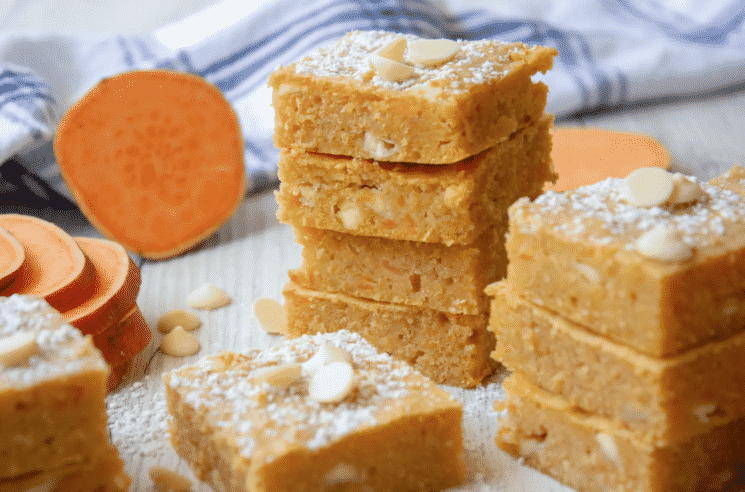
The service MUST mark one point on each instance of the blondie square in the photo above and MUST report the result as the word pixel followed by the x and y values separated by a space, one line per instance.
pixel 590 453
pixel 431 275
pixel 662 278
pixel 262 421
pixel 52 388
pixel 661 400
pixel 335 101
pixel 448 348
pixel 451 204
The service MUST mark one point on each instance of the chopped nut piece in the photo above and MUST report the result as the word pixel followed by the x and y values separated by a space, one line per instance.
pixel 17 348
pixel 350 216
pixel 332 382
pixel 179 343
pixel 588 272
pixel 178 317
pixel 432 52
pixel 166 480
pixel 685 190
pixel 608 446
pixel 662 244
pixel 394 50
pixel 648 187
pixel 271 315
pixel 208 296
pixel 326 355
pixel 278 376
pixel 390 70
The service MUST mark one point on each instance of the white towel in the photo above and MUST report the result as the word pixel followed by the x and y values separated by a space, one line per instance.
pixel 611 53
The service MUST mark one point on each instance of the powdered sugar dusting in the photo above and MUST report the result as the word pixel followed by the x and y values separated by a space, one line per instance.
pixel 597 213
pixel 62 349
pixel 271 420
pixel 477 62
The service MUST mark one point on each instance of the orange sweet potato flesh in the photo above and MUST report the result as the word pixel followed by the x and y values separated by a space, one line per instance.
pixel 12 255
pixel 584 156
pixel 116 285
pixel 154 159
pixel 54 268
pixel 116 375
pixel 124 340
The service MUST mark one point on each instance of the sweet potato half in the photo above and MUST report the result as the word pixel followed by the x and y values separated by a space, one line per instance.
pixel 154 159
pixel 12 256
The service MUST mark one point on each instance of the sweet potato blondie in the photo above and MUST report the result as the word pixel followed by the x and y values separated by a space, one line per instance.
pixel 323 412
pixel 442 112
pixel 52 388
pixel 591 453
pixel 431 275
pixel 449 348
pixel 451 204
pixel 661 276
pixel 661 400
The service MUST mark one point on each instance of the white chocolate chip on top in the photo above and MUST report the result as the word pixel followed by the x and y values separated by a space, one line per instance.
pixel 685 190
pixel 179 343
pixel 208 296
pixel 326 355
pixel 394 50
pixel 390 70
pixel 432 52
pixel 178 317
pixel 661 243
pixel 332 382
pixel 17 348
pixel 647 187
pixel 278 376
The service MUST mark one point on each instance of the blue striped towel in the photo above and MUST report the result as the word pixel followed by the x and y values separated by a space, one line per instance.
pixel 611 53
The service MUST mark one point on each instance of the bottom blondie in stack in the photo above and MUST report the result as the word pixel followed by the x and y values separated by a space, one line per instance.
pixel 52 387
pixel 622 317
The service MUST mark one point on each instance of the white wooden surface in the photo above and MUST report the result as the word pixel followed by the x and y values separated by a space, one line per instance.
pixel 250 255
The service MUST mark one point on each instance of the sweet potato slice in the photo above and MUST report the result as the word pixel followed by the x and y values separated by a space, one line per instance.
pixel 154 159
pixel 125 339
pixel 12 255
pixel 55 268
pixel 583 156
pixel 116 285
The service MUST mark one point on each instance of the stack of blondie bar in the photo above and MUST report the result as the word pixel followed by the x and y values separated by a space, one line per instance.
pixel 623 318
pixel 399 157
pixel 53 434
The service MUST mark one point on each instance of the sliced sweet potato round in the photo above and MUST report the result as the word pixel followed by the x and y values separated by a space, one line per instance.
pixel 54 268
pixel 116 285
pixel 12 256
pixel 154 159
pixel 125 339
pixel 583 156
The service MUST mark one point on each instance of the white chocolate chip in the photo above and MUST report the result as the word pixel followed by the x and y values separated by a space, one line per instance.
pixel 432 52
pixel 326 355
pixel 332 382
pixel 350 216
pixel 271 315
pixel 588 272
pixel 208 296
pixel 179 343
pixel 379 148
pixel 661 243
pixel 278 376
pixel 165 480
pixel 389 70
pixel 394 50
pixel 608 447
pixel 178 317
pixel 647 187
pixel 685 190
pixel 17 348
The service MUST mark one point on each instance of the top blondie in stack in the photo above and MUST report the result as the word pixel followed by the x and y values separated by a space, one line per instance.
pixel 399 157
